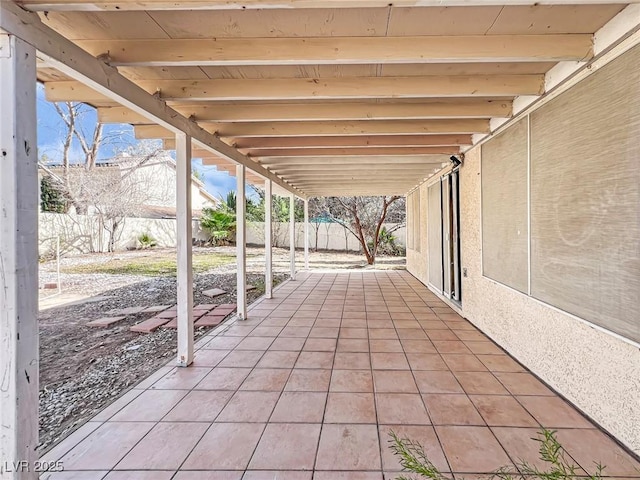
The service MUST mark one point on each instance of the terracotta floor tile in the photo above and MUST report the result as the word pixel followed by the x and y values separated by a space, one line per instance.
pixel 434 324
pixel 501 363
pixel 423 434
pixel 274 322
pixel 481 383
pixel 278 359
pixel 390 346
pixel 296 332
pixel 208 357
pixel 223 343
pixel 315 360
pixel 165 447
pixel 324 332
pixel 441 335
pixel 350 408
pixel 137 475
pixel 483 348
pixel 470 335
pixel 436 382
pixel 401 408
pixel 405 323
pixel 426 361
pixel 106 446
pixel 242 358
pixel 149 406
pixel 463 363
pixel 394 381
pixel 300 407
pixel 353 345
pixel 351 381
pixel 523 384
pixel 266 379
pixel 354 332
pixel 222 378
pixel 389 361
pixel 592 445
pixel 249 407
pixel 348 447
pixel 255 343
pixel 266 331
pixel 306 320
pixel 199 406
pixel 383 334
pixel 412 334
pixel 452 409
pixel 376 324
pixel 239 440
pixel 288 344
pixel 472 449
pixel 77 475
pixel 553 412
pixel 210 475
pixel 450 346
pixel 238 330
pixel 277 475
pixel 353 361
pixel 287 446
pixel 320 345
pixel 308 380
pixel 520 445
pixel 181 378
pixel 418 346
pixel 502 410
pixel 318 475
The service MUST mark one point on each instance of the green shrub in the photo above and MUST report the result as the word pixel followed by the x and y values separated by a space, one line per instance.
pixel 145 240
pixel 220 224
pixel 558 466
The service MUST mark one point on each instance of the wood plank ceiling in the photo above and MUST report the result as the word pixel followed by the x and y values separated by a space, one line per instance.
pixel 336 101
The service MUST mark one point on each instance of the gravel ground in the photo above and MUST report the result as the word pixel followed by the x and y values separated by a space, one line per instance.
pixel 83 369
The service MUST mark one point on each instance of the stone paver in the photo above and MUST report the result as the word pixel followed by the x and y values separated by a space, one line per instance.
pixel 313 382
pixel 105 321
pixel 213 292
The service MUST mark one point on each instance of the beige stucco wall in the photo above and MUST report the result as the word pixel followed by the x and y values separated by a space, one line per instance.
pixel 596 371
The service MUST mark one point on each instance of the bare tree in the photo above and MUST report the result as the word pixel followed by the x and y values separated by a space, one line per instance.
pixel 364 217
pixel 108 192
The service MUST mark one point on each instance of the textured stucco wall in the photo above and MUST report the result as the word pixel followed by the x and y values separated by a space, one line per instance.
pixel 596 371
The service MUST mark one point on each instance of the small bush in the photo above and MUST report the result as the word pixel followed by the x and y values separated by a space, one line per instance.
pixel 559 467
pixel 145 241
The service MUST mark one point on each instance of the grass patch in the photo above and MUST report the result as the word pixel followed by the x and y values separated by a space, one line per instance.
pixel 152 265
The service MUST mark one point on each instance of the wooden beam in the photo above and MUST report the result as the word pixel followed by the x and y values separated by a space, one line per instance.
pixel 96 76
pixel 126 5
pixel 342 50
pixel 220 112
pixel 364 160
pixel 19 188
pixel 322 88
pixel 372 141
pixel 184 226
pixel 371 127
pixel 346 152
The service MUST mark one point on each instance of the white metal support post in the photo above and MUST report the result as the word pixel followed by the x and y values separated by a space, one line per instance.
pixel 292 234
pixel 18 260
pixel 306 234
pixel 185 271
pixel 241 243
pixel 268 260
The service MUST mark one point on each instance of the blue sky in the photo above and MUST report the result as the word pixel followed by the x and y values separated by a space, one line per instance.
pixel 51 130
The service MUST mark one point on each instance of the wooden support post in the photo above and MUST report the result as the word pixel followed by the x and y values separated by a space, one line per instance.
pixel 241 242
pixel 184 234
pixel 268 268
pixel 18 260
pixel 292 234
pixel 306 234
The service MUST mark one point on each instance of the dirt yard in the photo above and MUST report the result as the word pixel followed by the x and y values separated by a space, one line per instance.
pixel 83 369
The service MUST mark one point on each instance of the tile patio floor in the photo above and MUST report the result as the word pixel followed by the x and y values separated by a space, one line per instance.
pixel 311 384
